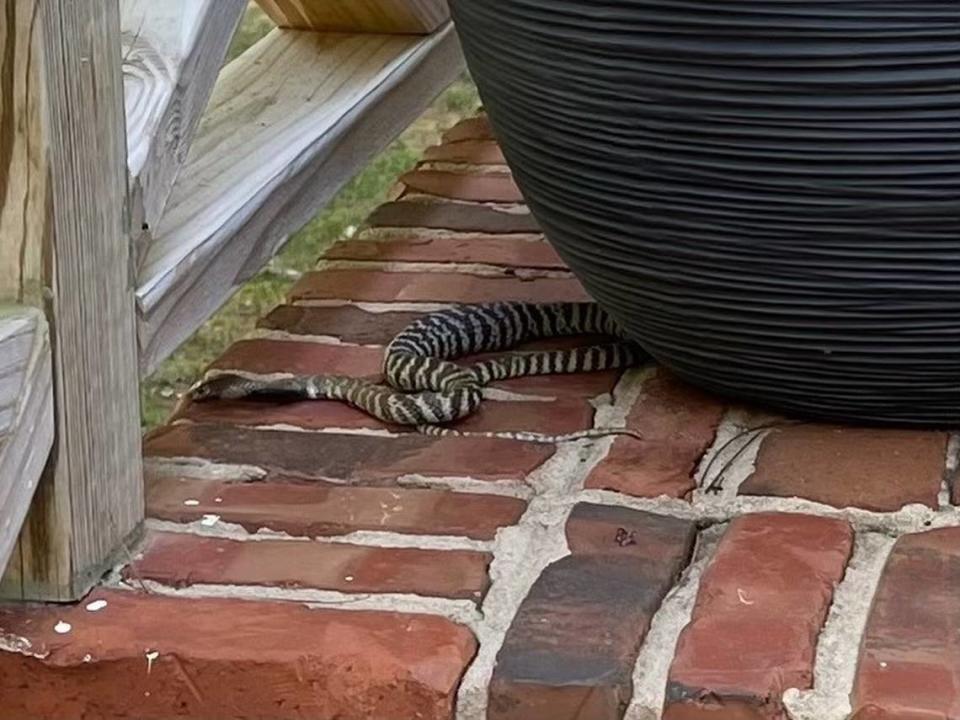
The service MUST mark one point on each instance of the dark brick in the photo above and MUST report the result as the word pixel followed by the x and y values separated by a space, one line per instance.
pixel 153 658
pixel 910 659
pixel 353 458
pixel 302 358
pixel 458 574
pixel 377 286
pixel 468 152
pixel 570 651
pixel 553 418
pixel 870 468
pixel 678 423
pixel 349 323
pixel 606 530
pixel 475 128
pixel 458 217
pixel 483 187
pixel 513 251
pixel 315 509
pixel 759 612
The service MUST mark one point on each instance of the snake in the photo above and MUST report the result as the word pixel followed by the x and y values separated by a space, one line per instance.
pixel 426 389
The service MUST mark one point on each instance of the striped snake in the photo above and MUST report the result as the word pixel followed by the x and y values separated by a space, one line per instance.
pixel 425 389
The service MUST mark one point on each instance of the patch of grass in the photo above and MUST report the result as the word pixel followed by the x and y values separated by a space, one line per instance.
pixel 253 26
pixel 160 392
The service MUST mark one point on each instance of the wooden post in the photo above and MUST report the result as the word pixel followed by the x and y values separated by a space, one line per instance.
pixel 26 416
pixel 64 245
pixel 172 52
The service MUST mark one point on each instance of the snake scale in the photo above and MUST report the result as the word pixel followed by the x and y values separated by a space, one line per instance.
pixel 426 389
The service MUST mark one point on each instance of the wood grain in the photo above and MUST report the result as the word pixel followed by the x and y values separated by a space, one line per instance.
pixel 24 184
pixel 172 53
pixel 380 16
pixel 26 416
pixel 290 122
pixel 63 158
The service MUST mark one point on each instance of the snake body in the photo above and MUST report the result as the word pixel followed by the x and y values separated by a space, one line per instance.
pixel 426 389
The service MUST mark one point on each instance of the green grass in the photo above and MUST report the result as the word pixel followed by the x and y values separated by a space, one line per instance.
pixel 160 392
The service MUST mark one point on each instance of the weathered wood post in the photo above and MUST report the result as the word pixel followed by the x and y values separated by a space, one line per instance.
pixel 64 246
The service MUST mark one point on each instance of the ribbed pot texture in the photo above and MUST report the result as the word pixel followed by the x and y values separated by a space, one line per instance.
pixel 765 193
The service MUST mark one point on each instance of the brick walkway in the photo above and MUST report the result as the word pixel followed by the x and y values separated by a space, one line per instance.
pixel 304 561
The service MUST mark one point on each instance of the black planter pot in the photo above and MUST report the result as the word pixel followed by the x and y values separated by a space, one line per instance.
pixel 765 193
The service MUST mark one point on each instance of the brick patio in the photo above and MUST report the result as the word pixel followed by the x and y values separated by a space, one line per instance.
pixel 305 561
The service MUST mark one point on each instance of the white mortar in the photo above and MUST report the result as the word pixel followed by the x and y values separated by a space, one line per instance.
pixel 464 268
pixel 463 612
pixel 523 551
pixel 383 234
pixel 838 648
pixel 200 469
pixel 734 453
pixel 653 664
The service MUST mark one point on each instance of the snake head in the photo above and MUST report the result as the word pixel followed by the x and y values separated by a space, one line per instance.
pixel 224 386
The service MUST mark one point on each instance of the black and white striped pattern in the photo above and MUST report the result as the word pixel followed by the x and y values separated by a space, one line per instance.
pixel 426 389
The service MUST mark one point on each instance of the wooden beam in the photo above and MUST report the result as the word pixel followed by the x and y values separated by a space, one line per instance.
pixel 378 16
pixel 62 184
pixel 172 53
pixel 26 416
pixel 291 122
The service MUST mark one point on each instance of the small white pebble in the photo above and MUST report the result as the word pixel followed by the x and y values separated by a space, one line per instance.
pixel 151 656
pixel 350 231
pixel 62 628
pixel 883 664
pixel 191 502
pixel 349 578
pixel 88 658
pixel 210 520
pixel 218 500
pixel 96 605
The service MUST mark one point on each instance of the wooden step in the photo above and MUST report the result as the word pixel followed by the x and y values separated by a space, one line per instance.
pixel 291 121
pixel 26 416
pixel 385 16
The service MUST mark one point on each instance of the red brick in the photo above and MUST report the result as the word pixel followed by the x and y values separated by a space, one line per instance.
pixel 315 509
pixel 554 418
pixel 269 356
pixel 875 469
pixel 472 187
pixel 302 358
pixel 910 659
pixel 515 251
pixel 349 323
pixel 475 128
pixel 678 424
pixel 224 659
pixel 375 286
pixel 759 612
pixel 458 574
pixel 458 217
pixel 572 646
pixel 353 458
pixel 469 152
